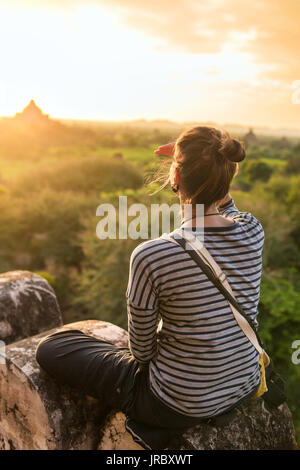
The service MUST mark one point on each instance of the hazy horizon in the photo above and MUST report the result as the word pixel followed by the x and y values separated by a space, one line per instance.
pixel 288 131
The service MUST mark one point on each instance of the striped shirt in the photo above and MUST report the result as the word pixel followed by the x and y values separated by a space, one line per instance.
pixel 200 361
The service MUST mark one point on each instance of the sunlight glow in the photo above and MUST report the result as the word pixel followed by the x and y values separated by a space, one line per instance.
pixel 84 62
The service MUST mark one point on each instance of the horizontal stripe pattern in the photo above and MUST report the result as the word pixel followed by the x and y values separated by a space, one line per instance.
pixel 200 361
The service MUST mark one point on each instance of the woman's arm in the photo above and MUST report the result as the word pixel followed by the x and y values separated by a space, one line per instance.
pixel 142 308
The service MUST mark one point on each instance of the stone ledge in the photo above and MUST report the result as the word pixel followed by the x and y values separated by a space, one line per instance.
pixel 254 427
pixel 114 435
pixel 38 413
pixel 28 305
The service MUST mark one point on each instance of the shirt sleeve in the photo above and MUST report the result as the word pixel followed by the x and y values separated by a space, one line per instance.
pixel 142 307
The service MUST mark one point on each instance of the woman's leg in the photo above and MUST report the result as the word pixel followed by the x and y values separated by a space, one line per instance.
pixel 92 366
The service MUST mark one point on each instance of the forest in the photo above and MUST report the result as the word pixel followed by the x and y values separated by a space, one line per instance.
pixel 54 175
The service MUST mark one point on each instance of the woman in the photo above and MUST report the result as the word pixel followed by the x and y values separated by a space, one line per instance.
pixel 199 364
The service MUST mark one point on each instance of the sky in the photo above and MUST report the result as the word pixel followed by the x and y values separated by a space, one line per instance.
pixel 226 61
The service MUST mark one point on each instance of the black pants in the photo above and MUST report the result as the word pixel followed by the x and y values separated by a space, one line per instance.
pixel 107 372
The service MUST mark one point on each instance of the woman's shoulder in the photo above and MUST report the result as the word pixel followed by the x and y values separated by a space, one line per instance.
pixel 154 246
pixel 246 220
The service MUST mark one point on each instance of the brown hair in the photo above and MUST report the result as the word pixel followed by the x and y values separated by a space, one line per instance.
pixel 206 159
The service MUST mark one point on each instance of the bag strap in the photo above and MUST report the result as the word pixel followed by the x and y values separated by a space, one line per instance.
pixel 208 265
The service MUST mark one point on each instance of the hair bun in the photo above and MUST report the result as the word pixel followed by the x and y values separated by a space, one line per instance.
pixel 233 150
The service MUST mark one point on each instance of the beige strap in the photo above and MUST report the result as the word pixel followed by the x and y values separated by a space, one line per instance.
pixel 199 247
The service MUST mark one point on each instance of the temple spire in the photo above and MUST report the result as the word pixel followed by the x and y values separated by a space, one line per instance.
pixel 32 114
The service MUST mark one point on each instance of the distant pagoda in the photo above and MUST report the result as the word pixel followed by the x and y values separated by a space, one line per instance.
pixel 32 114
pixel 250 138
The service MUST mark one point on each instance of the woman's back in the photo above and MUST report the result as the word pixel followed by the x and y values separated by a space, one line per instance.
pixel 202 363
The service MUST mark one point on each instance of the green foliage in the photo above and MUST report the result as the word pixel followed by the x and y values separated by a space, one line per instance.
pixel 280 302
pixel 259 171
pixel 277 189
pixel 269 152
pixel 49 278
pixel 280 325
pixel 293 165
pixel 292 198
pixel 50 226
pixel 79 175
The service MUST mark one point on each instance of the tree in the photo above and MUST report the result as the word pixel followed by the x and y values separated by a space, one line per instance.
pixel 293 165
pixel 259 171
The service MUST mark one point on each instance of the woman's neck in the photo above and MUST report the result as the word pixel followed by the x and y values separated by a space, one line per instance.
pixel 192 212
pixel 203 217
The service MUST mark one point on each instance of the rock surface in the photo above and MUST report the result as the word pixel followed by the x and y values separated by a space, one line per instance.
pixel 254 427
pixel 35 411
pixel 114 435
pixel 28 306
pixel 38 413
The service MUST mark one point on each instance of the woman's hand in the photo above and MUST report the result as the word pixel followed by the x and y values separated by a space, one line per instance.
pixel 167 150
